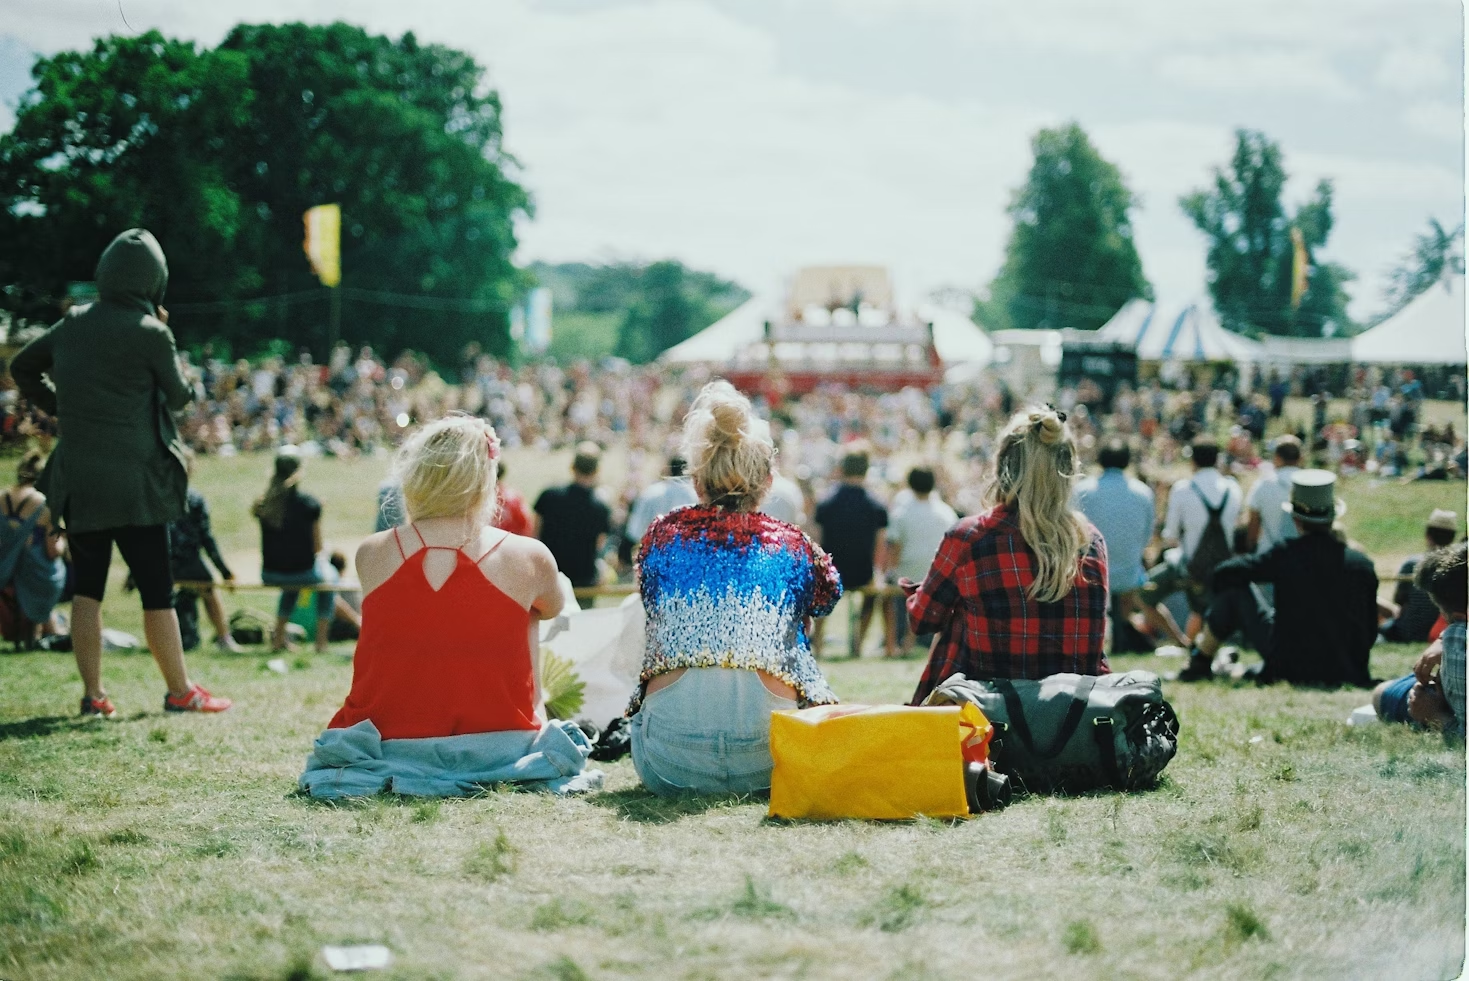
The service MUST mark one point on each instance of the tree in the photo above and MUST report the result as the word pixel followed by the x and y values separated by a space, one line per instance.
pixel 220 152
pixel 1252 256
pixel 668 303
pixel 1435 252
pixel 1071 260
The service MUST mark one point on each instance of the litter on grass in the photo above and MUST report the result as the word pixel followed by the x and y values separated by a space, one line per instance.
pixel 369 957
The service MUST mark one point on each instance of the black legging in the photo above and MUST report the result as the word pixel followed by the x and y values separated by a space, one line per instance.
pixel 144 549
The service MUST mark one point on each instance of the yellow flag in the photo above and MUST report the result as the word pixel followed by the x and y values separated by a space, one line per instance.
pixel 324 242
pixel 1298 264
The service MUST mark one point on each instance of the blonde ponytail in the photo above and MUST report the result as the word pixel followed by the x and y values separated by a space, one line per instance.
pixel 1034 469
pixel 728 448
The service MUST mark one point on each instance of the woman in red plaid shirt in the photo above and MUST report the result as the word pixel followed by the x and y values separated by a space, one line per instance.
pixel 1020 590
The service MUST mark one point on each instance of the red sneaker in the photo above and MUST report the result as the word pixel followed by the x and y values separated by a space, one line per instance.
pixel 196 699
pixel 98 706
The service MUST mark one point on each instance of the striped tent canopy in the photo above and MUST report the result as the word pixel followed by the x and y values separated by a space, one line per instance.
pixel 1190 333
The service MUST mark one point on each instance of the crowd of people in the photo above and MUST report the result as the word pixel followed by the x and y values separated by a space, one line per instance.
pixel 1006 563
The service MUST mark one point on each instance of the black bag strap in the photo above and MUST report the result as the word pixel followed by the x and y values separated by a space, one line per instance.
pixel 1214 513
pixel 1105 736
pixel 1074 712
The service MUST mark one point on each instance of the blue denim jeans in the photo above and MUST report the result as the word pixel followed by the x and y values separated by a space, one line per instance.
pixel 322 572
pixel 707 733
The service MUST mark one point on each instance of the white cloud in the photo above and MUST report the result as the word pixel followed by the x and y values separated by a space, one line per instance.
pixel 1414 68
pixel 1439 120
pixel 1282 73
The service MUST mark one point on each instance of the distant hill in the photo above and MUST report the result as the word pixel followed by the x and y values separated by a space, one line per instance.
pixel 632 310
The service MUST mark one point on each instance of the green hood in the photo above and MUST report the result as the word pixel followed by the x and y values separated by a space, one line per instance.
pixel 132 270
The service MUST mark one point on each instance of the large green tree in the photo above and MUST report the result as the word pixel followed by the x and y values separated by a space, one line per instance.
pixel 1251 255
pixel 1071 260
pixel 220 152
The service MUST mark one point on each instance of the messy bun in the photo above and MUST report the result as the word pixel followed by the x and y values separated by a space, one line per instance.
pixel 1049 425
pixel 728 448
pixel 1034 468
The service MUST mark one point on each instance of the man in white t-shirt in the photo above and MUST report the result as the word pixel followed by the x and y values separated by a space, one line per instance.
pixel 1266 523
pixel 1189 504
pixel 914 535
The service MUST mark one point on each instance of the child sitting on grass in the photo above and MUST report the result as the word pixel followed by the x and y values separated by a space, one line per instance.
pixel 1435 702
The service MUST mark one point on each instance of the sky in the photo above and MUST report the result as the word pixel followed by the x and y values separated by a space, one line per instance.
pixel 751 137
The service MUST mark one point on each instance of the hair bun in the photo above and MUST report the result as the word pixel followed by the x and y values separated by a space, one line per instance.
pixel 1048 426
pixel 727 423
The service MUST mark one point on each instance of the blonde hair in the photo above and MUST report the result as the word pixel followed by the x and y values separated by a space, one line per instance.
pixel 448 469
pixel 728 448
pixel 1034 468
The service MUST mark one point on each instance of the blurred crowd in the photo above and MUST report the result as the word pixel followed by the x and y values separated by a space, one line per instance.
pixel 360 403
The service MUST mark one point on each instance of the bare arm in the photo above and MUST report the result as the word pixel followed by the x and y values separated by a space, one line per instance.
pixel 1252 529
pixel 316 537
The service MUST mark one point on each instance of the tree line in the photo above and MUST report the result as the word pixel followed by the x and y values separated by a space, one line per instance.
pixel 1071 261
pixel 220 150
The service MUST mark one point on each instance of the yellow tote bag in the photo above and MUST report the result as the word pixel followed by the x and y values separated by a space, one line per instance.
pixel 883 762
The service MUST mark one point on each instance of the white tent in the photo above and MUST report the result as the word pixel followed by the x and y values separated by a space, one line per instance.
pixel 957 339
pixel 1429 330
pixel 1189 333
pixel 718 343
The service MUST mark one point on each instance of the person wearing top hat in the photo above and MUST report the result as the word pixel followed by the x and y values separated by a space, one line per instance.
pixel 1417 612
pixel 1324 620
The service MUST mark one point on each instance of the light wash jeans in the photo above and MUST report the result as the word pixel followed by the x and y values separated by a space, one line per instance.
pixel 707 733
pixel 322 572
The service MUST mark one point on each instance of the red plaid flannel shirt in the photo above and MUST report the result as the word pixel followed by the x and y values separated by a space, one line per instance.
pixel 975 599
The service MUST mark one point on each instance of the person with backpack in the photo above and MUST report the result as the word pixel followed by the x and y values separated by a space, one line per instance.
pixel 1323 624
pixel 1202 513
pixel 32 574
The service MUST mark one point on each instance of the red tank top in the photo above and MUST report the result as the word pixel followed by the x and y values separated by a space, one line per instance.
pixel 441 662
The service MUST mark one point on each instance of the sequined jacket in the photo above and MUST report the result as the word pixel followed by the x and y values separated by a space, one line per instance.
pixel 733 589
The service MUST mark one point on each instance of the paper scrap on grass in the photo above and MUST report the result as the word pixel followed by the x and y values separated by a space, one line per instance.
pixel 369 957
pixel 277 664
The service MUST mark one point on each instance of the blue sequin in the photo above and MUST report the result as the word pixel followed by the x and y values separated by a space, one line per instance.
pixel 733 589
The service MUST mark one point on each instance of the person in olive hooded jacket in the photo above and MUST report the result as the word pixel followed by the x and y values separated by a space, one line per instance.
pixel 109 373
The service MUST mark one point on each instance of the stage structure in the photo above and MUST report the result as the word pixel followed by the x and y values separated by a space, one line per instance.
pixel 835 325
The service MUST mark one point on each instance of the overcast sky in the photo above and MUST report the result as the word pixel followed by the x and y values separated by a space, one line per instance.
pixel 753 136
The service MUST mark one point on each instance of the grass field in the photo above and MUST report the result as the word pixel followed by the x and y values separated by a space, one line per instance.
pixel 1281 843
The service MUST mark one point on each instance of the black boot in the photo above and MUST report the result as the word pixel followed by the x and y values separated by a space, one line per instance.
pixel 1200 667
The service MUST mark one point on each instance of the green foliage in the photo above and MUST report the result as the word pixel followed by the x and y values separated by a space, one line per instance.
pixel 1250 253
pixel 562 688
pixel 1435 252
pixel 633 310
pixel 1071 260
pixel 219 152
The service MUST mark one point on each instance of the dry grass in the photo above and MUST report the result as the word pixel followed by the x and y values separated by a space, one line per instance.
pixel 1281 843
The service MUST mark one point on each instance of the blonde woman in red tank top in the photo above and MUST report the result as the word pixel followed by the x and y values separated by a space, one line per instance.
pixel 451 605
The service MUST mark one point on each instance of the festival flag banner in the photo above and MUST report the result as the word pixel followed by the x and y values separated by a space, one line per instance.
pixel 1298 267
pixel 324 242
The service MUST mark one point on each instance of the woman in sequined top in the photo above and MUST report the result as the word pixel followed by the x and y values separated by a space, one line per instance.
pixel 729 594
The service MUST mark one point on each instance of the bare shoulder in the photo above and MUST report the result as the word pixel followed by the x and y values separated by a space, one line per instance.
pixel 531 551
pixel 377 558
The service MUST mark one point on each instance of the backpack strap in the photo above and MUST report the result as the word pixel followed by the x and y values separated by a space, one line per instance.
pixel 1213 511
pixel 1016 711
pixel 1104 734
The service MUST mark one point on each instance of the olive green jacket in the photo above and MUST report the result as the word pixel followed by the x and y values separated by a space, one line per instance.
pixel 109 373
